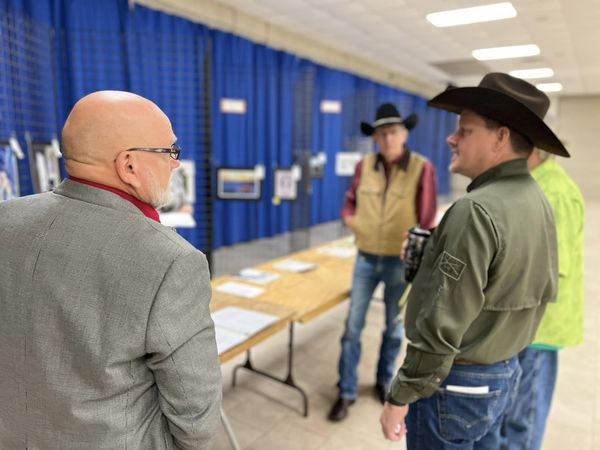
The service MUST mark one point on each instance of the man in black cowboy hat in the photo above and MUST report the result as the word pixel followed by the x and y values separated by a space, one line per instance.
pixel 487 273
pixel 391 191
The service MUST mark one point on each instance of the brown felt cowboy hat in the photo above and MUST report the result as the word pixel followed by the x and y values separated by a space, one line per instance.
pixel 511 101
pixel 387 114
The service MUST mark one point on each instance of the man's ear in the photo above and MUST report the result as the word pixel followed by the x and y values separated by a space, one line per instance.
pixel 502 138
pixel 126 166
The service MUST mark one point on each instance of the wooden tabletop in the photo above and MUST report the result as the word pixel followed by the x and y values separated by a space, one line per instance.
pixel 307 294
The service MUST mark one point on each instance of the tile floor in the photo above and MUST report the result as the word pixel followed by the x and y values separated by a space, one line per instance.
pixel 267 415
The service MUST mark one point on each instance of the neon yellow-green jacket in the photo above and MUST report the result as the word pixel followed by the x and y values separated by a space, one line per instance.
pixel 562 324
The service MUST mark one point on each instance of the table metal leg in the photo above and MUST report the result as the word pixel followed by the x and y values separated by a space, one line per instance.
pixel 229 431
pixel 288 380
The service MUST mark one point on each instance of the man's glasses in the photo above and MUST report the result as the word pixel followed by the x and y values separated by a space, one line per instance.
pixel 174 151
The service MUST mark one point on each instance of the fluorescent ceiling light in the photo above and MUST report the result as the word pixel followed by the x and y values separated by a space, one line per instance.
pixel 464 16
pixel 545 72
pixel 514 51
pixel 549 87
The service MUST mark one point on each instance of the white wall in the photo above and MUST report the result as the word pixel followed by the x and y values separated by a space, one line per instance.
pixel 579 128
pixel 576 120
pixel 227 18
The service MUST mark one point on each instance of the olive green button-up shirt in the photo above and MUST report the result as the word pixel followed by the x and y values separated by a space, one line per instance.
pixel 487 273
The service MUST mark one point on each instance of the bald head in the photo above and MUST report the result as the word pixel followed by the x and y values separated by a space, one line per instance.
pixel 101 128
pixel 104 123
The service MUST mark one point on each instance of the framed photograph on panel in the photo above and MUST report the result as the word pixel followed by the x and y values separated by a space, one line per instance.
pixel 238 184
pixel 44 164
pixel 179 211
pixel 9 173
pixel 285 185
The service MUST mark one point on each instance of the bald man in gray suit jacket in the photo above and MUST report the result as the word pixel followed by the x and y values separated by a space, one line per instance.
pixel 106 340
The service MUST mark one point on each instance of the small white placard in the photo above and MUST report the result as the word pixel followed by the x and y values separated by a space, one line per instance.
pixel 294 265
pixel 345 163
pixel 257 276
pixel 331 106
pixel 285 186
pixel 232 106
pixel 240 289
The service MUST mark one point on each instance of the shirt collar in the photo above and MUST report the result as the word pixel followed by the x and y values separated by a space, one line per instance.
pixel 505 169
pixel 147 209
pixel 401 161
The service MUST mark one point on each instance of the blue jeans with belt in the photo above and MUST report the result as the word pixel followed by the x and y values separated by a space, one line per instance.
pixel 467 412
pixel 525 423
pixel 369 270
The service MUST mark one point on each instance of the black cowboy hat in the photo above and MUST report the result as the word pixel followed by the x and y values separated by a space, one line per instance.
pixel 511 101
pixel 387 114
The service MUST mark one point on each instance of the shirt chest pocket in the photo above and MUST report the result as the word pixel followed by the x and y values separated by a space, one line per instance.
pixel 370 191
pixel 397 193
pixel 369 197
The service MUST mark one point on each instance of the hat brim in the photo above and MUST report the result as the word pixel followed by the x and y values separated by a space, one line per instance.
pixel 409 123
pixel 503 108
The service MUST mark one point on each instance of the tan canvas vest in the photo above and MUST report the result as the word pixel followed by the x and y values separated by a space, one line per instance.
pixel 383 216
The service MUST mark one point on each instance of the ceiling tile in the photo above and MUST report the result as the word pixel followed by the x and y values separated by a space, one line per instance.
pixel 396 34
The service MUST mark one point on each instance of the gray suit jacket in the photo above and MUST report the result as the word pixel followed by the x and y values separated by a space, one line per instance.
pixel 106 340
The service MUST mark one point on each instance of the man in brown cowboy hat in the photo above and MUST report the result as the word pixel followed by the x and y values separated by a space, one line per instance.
pixel 488 271
pixel 391 191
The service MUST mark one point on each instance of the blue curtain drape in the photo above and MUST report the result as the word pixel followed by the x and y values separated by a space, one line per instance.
pixel 331 139
pixel 90 54
pixel 53 52
pixel 264 135
pixel 27 89
pixel 234 134
pixel 166 63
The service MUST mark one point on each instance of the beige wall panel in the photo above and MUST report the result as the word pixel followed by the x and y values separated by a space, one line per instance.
pixel 579 128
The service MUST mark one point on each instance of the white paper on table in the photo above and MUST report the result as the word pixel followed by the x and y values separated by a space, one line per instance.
pixel 240 289
pixel 293 265
pixel 177 219
pixel 227 338
pixel 242 320
pixel 257 276
pixel 340 252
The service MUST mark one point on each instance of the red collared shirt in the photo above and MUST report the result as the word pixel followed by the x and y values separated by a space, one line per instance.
pixel 144 207
pixel 426 199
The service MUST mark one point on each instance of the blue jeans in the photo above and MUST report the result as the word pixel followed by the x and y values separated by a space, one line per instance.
pixel 459 420
pixel 525 423
pixel 369 270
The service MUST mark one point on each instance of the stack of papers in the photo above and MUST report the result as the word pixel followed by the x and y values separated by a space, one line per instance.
pixel 240 289
pixel 177 219
pixel 340 252
pixel 235 325
pixel 257 276
pixel 293 265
